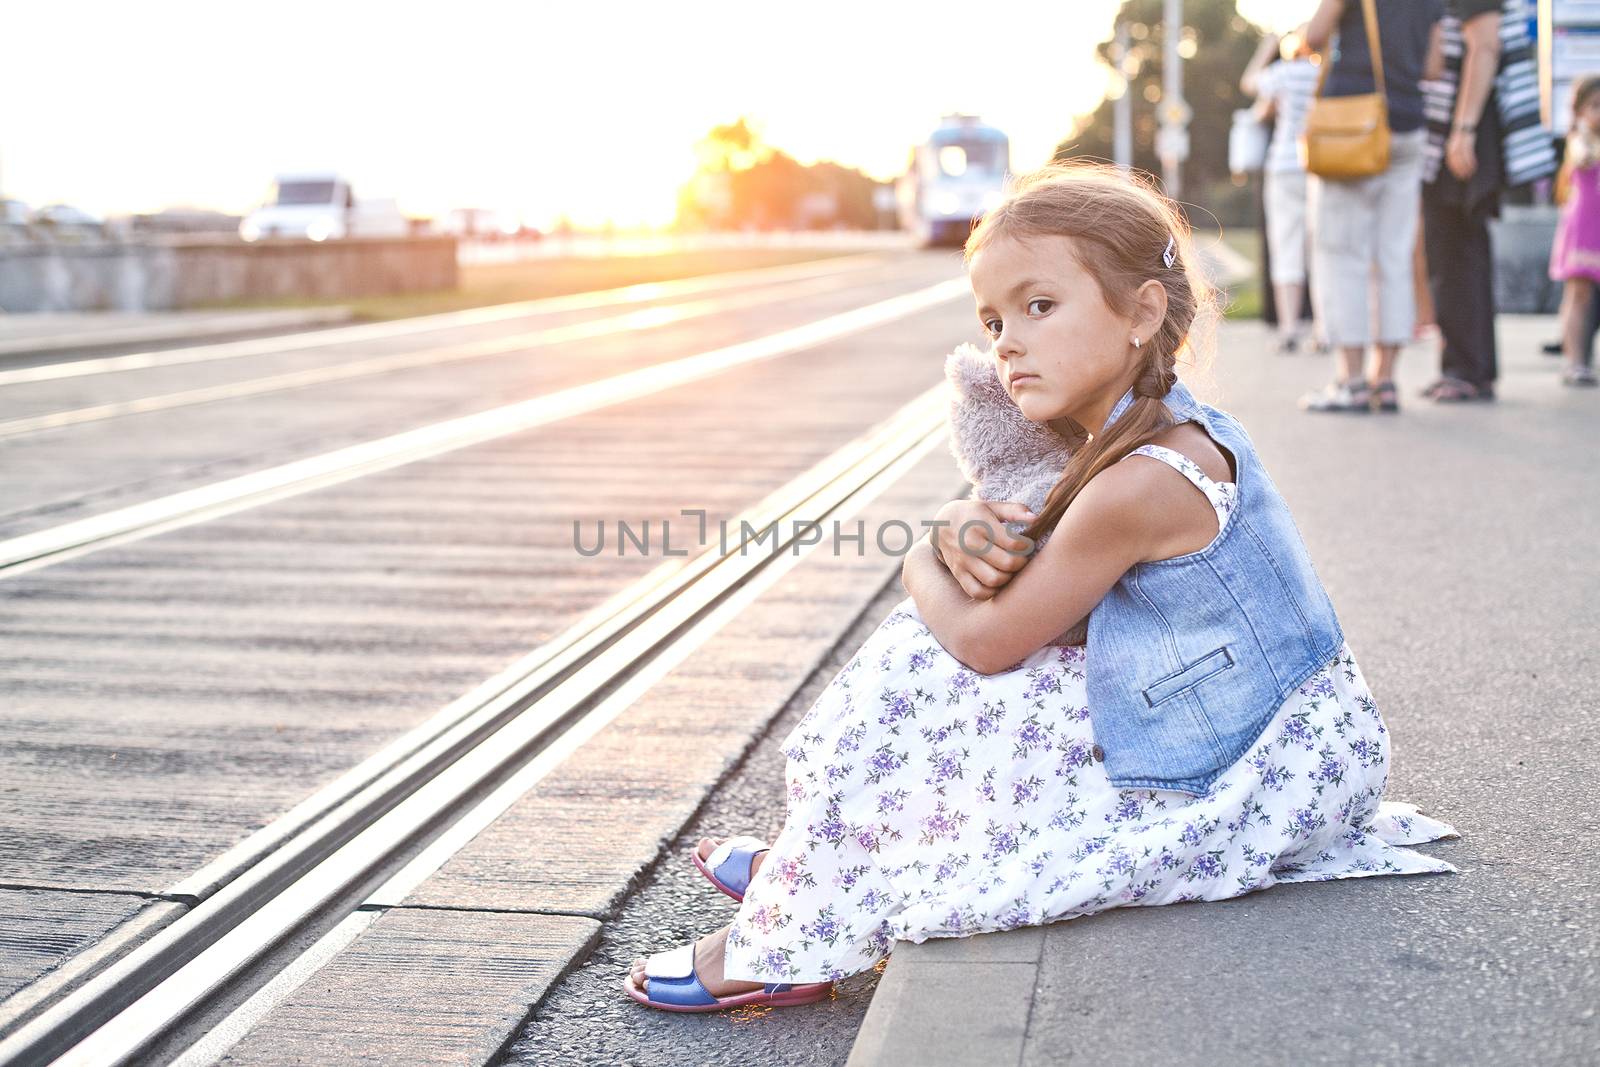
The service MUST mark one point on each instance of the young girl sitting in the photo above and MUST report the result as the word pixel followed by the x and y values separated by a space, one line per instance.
pixel 1575 253
pixel 962 773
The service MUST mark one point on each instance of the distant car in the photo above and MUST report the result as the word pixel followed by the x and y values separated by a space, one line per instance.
pixel 66 221
pixel 66 215
pixel 321 207
pixel 14 227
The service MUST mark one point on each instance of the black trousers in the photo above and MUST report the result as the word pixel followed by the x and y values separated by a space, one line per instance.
pixel 1461 278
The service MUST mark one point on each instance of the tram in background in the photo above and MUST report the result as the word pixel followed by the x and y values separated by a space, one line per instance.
pixel 954 177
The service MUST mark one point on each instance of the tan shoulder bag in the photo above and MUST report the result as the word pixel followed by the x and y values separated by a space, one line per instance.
pixel 1348 136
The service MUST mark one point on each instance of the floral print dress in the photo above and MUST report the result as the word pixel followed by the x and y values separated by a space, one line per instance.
pixel 927 800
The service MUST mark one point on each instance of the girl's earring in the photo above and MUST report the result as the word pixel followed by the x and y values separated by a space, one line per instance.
pixel 1135 342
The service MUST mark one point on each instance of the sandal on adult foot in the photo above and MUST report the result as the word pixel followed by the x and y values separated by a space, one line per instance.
pixel 1457 390
pixel 1578 375
pixel 1339 396
pixel 728 866
pixel 672 985
pixel 1385 397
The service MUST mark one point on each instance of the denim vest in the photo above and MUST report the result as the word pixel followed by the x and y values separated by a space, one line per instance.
pixel 1189 658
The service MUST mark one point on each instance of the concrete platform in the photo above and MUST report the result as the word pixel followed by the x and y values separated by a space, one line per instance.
pixel 421 987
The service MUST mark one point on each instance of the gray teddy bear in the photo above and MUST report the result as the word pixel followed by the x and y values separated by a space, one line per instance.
pixel 999 450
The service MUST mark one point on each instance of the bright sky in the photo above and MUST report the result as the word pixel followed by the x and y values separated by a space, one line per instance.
pixel 591 109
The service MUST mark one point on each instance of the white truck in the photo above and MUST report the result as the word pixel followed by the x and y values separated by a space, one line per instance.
pixel 321 207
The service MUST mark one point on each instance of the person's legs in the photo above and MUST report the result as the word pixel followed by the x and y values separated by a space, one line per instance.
pixel 1591 327
pixel 1485 364
pixel 1381 368
pixel 1398 195
pixel 1442 227
pixel 1286 229
pixel 1350 362
pixel 1288 296
pixel 1460 271
pixel 1576 296
pixel 1419 278
pixel 1341 256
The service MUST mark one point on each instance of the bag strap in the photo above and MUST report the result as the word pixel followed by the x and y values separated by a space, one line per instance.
pixel 1369 15
pixel 1369 11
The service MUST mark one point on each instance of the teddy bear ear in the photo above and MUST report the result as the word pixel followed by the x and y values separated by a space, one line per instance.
pixel 968 368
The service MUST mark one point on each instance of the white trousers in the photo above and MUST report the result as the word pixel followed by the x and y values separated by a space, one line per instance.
pixel 1286 225
pixel 1363 235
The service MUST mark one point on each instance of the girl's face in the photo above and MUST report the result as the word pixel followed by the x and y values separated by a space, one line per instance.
pixel 1589 114
pixel 1060 350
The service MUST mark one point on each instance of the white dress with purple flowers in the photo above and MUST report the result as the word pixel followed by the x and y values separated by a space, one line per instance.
pixel 927 800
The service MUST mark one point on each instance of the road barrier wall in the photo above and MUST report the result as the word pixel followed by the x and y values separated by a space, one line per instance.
pixel 165 274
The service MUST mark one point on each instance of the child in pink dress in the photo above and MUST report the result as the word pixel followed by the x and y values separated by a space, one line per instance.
pixel 1575 254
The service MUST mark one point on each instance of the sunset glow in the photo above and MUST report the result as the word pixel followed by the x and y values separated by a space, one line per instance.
pixel 590 111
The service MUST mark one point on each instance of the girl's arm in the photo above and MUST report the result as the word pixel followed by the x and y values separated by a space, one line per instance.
pixel 1107 529
pixel 945 607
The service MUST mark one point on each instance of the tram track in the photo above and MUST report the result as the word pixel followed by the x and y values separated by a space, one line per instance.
pixel 32 551
pixel 427 786
pixel 437 355
pixel 642 292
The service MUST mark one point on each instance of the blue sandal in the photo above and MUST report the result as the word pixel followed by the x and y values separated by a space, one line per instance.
pixel 672 985
pixel 728 866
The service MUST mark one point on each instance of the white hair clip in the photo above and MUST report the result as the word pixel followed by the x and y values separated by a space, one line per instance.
pixel 1169 256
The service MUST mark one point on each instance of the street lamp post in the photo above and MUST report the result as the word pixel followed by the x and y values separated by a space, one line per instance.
pixel 1122 109
pixel 1172 139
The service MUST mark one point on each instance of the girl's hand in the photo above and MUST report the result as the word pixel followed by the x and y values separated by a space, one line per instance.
pixel 984 559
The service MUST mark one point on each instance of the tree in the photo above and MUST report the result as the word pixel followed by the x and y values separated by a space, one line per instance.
pixel 1219 42
pixel 745 183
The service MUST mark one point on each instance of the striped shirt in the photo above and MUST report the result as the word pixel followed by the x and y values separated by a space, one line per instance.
pixel 1290 85
pixel 1525 146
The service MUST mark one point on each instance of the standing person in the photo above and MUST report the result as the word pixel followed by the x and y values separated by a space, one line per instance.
pixel 1427 325
pixel 1575 254
pixel 961 774
pixel 1459 198
pixel 1284 89
pixel 1364 230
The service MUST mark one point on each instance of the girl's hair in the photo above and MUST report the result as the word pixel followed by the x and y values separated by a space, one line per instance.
pixel 1120 227
pixel 1582 89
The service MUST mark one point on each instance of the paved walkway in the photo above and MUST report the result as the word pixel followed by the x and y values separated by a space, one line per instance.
pixel 1457 542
